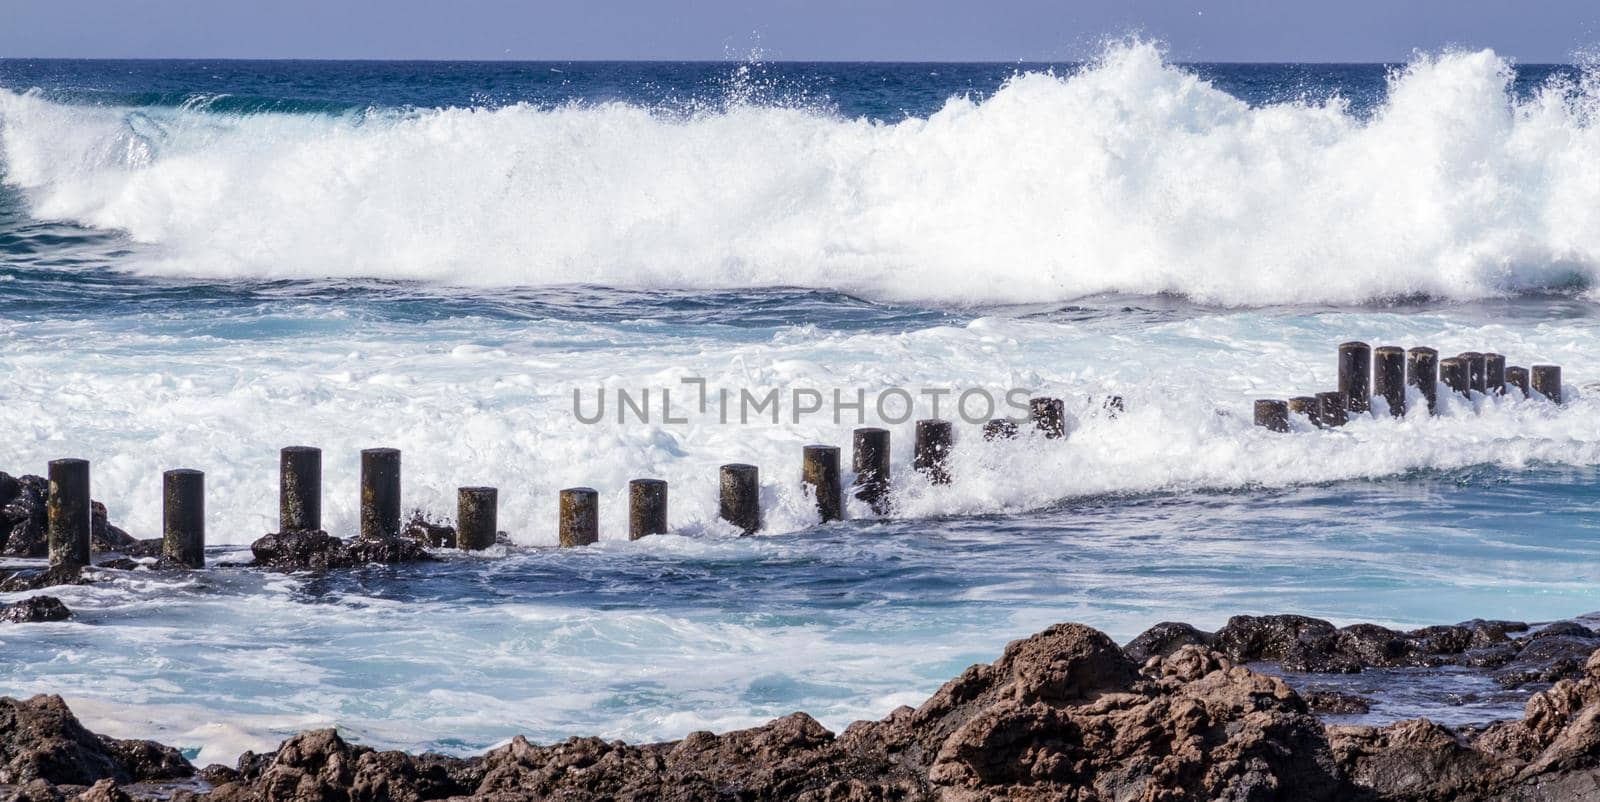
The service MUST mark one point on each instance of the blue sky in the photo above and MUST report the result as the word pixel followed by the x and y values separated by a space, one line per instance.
pixel 895 30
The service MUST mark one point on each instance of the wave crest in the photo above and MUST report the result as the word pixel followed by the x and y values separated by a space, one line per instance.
pixel 1129 175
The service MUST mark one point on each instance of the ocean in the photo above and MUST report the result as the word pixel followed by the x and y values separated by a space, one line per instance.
pixel 202 262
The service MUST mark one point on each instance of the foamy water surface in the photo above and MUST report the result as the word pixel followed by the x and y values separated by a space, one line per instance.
pixel 197 278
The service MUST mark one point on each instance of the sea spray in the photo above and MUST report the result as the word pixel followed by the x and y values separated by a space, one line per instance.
pixel 1129 174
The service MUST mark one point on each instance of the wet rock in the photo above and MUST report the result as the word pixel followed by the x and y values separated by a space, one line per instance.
pixel 1547 658
pixel 24 519
pixel 320 552
pixel 36 578
pixel 1164 639
pixel 1335 703
pixel 429 533
pixel 38 609
pixel 102 535
pixel 40 739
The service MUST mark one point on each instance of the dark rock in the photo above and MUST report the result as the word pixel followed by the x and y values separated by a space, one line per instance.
pixel 319 552
pixel 388 551
pixel 24 518
pixel 1547 659
pixel 102 535
pixel 1335 703
pixel 35 578
pixel 1568 628
pixel 40 739
pixel 428 533
pixel 37 609
pixel 1164 639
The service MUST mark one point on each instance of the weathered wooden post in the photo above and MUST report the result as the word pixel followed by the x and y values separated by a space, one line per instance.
pixel 580 517
pixel 1333 408
pixel 934 438
pixel 1355 375
pixel 183 517
pixel 477 517
pixel 1518 378
pixel 1049 416
pixel 1000 429
pixel 819 471
pixel 1308 406
pixel 380 493
pixel 1422 372
pixel 870 459
pixel 1477 371
pixel 67 513
pixel 1273 415
pixel 1456 375
pixel 647 508
pixel 300 489
pixel 1389 377
pixel 741 496
pixel 1547 381
pixel 1495 373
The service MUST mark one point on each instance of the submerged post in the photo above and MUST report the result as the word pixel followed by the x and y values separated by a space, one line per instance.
pixel 1308 406
pixel 870 459
pixel 647 508
pixel 1273 415
pixel 1547 381
pixel 1049 416
pixel 1000 429
pixel 380 493
pixel 580 517
pixel 1389 377
pixel 1455 374
pixel 820 471
pixel 1332 408
pixel 183 517
pixel 1518 378
pixel 1422 372
pixel 299 489
pixel 741 496
pixel 1355 375
pixel 1477 371
pixel 1495 373
pixel 477 517
pixel 68 516
pixel 934 438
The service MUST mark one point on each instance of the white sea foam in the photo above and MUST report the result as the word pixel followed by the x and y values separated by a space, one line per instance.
pixel 500 413
pixel 1128 175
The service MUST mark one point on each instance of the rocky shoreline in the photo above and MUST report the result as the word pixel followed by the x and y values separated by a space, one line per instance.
pixel 1176 714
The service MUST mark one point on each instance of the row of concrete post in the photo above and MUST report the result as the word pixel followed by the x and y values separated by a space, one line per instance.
pixel 739 501
pixel 1385 372
pixel 300 492
pixel 70 522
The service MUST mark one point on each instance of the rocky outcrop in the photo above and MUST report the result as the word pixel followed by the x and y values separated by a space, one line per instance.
pixel 40 740
pixel 24 522
pixel 22 515
pixel 319 551
pixel 1063 715
pixel 430 533
pixel 37 609
pixel 26 579
pixel 1517 653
